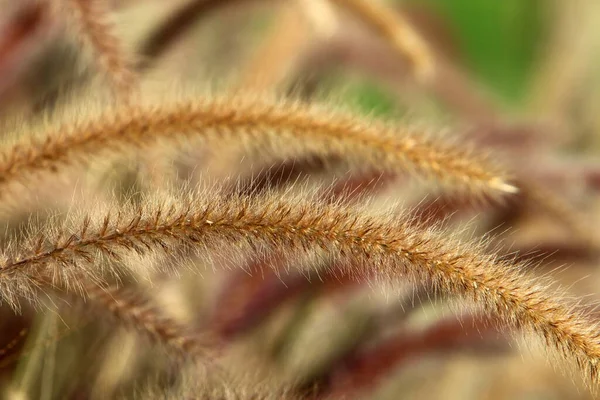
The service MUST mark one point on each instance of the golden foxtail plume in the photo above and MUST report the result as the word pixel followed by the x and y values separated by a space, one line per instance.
pixel 378 246
pixel 276 128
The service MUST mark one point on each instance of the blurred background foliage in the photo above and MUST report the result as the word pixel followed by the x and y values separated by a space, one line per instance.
pixel 500 40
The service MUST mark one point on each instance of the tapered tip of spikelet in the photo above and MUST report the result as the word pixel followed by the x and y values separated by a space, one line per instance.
pixel 503 186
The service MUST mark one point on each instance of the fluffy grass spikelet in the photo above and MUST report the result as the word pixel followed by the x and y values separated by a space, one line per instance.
pixel 272 128
pixel 378 247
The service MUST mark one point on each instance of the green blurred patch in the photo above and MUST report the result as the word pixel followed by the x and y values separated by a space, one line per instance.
pixel 370 99
pixel 499 39
pixel 360 94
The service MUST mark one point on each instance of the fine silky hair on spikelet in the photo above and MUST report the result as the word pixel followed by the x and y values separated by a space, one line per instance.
pixel 378 246
pixel 393 27
pixel 96 31
pixel 45 265
pixel 270 128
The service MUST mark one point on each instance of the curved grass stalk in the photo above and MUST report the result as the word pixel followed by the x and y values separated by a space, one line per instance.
pixel 276 129
pixel 109 54
pixel 379 247
pixel 393 27
pixel 137 311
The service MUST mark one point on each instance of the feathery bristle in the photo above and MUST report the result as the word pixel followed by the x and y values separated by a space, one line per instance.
pixel 378 247
pixel 273 128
